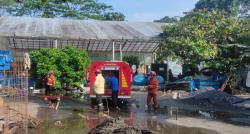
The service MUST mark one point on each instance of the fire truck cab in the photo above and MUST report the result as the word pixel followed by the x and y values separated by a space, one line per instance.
pixel 121 70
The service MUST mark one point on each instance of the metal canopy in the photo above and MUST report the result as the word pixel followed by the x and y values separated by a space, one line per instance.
pixel 35 33
pixel 92 45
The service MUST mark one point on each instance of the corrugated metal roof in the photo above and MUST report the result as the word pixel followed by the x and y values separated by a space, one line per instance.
pixel 90 35
pixel 77 29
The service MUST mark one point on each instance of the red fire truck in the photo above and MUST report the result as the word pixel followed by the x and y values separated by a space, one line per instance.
pixel 120 69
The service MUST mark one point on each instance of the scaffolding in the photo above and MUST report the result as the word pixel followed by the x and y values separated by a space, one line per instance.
pixel 14 97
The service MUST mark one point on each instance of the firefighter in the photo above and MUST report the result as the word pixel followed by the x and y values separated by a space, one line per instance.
pixel 115 90
pixel 99 89
pixel 54 100
pixel 50 82
pixel 152 90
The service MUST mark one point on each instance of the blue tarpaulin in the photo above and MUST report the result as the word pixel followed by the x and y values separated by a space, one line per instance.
pixel 214 82
pixel 141 80
pixel 6 58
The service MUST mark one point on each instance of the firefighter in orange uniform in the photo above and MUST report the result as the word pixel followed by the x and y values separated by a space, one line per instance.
pixel 51 80
pixel 54 100
pixel 152 90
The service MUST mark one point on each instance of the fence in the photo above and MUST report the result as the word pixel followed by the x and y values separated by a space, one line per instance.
pixel 14 97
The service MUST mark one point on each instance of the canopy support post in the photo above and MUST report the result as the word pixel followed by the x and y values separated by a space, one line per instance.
pixel 113 51
pixel 120 52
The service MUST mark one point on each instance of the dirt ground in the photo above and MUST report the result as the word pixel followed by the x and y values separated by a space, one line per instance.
pixel 175 116
pixel 205 111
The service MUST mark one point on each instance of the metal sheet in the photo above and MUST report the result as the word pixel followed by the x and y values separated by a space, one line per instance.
pixel 35 33
pixel 74 29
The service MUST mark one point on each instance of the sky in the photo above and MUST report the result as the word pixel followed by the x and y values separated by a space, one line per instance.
pixel 150 10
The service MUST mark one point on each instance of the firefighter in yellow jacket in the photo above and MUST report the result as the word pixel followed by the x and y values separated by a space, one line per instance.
pixel 99 88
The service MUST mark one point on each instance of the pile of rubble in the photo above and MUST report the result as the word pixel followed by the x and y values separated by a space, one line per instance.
pixel 213 98
pixel 116 126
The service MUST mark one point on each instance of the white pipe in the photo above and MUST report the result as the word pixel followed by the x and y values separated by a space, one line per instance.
pixel 120 52
pixel 55 43
pixel 154 57
pixel 113 51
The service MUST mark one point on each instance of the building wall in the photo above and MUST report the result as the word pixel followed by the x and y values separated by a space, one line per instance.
pixel 4 44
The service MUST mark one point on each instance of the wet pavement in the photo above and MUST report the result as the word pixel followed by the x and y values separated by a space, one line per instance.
pixel 78 118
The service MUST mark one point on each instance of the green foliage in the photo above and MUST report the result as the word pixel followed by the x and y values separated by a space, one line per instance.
pixel 245 35
pixel 131 60
pixel 4 4
pixel 203 37
pixel 229 7
pixel 115 16
pixel 68 64
pixel 76 84
pixel 77 9
pixel 245 8
pixel 58 85
pixel 168 19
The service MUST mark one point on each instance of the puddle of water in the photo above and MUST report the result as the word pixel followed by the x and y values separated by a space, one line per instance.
pixel 51 114
pixel 76 119
pixel 155 121
pixel 232 116
pixel 71 125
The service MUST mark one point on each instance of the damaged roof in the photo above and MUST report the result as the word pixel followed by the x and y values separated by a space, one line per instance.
pixel 75 29
pixel 91 35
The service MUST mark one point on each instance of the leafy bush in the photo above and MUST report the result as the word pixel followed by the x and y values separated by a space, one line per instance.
pixel 68 64
pixel 76 84
pixel 132 60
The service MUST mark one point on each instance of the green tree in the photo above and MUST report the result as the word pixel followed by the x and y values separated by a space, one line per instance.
pixel 4 4
pixel 203 37
pixel 245 8
pixel 245 35
pixel 131 60
pixel 77 9
pixel 68 64
pixel 168 19
pixel 115 16
pixel 230 7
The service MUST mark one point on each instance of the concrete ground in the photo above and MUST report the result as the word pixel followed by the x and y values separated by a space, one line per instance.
pixel 190 118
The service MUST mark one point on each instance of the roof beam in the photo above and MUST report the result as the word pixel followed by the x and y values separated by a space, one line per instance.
pixel 127 45
pixel 88 45
pixel 156 46
pixel 108 45
pixel 98 44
